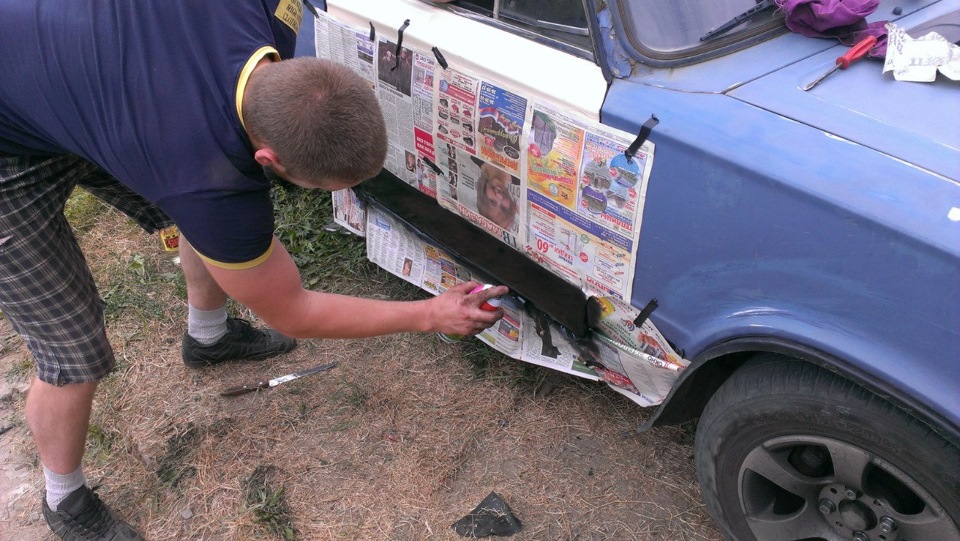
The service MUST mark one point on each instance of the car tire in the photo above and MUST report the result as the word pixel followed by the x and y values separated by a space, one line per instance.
pixel 787 450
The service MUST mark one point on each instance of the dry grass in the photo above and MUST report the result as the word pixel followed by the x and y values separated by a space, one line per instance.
pixel 402 439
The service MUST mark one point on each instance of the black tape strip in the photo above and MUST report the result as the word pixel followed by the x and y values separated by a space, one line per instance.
pixel 373 32
pixel 641 137
pixel 645 313
pixel 431 165
pixel 311 9
pixel 396 53
pixel 440 59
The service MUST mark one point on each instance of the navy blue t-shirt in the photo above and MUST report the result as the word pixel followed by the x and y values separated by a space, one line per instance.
pixel 149 90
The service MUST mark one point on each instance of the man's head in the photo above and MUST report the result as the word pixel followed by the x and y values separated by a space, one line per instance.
pixel 315 123
pixel 494 200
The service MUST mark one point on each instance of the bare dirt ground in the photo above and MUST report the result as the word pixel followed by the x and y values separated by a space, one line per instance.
pixel 406 436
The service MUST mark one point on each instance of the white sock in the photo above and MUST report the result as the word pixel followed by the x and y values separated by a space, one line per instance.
pixel 206 326
pixel 60 486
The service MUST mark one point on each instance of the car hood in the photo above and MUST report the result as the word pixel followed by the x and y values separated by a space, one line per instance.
pixel 914 122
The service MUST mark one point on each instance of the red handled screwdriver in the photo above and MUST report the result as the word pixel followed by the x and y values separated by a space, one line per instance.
pixel 855 53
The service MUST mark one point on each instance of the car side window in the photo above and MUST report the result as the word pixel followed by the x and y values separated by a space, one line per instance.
pixel 559 13
pixel 564 21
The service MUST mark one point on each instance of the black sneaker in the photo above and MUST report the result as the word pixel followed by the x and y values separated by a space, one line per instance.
pixel 242 342
pixel 82 516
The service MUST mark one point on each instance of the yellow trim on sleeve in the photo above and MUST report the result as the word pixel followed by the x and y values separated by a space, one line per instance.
pixel 261 53
pixel 240 266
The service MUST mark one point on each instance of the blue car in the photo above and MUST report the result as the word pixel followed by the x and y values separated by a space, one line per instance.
pixel 801 243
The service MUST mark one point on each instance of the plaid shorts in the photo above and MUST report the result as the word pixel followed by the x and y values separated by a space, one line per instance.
pixel 46 289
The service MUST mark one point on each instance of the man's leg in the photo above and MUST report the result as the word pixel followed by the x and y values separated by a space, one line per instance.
pixel 212 337
pixel 48 294
pixel 58 418
pixel 206 301
pixel 203 293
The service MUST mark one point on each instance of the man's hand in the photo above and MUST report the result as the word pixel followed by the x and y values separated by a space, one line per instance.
pixel 457 311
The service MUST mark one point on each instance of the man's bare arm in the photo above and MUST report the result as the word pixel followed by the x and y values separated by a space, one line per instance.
pixel 273 291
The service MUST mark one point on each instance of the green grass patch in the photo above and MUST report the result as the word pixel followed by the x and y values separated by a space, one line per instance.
pixel 329 261
pixel 83 210
pixel 172 468
pixel 137 286
pixel 266 498
pixel 325 259
pixel 100 444
pixel 352 395
pixel 20 369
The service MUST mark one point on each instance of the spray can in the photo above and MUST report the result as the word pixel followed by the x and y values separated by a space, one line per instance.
pixel 490 305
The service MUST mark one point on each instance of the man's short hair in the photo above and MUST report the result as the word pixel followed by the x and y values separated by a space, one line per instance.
pixel 321 119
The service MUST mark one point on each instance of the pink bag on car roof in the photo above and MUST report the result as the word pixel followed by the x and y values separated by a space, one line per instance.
pixel 844 20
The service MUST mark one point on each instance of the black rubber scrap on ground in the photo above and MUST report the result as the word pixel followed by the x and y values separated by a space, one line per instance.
pixel 492 517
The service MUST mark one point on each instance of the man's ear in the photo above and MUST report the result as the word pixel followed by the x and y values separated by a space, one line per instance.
pixel 266 157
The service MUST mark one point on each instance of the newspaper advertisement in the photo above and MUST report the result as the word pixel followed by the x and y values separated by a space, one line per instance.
pixel 456 109
pixel 642 383
pixel 394 91
pixel 637 353
pixel 341 44
pixel 483 193
pixel 500 126
pixel 553 156
pixel 349 211
pixel 504 335
pixel 617 321
pixel 479 128
pixel 400 251
pixel 423 121
pixel 394 248
pixel 584 201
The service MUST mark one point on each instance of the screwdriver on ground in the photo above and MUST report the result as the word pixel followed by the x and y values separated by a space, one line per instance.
pixel 855 53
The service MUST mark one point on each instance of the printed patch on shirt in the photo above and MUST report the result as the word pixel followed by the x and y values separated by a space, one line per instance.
pixel 290 13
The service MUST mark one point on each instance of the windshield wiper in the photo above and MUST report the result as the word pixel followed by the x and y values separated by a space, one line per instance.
pixel 762 5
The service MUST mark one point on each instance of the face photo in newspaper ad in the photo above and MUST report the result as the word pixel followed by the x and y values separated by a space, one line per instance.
pixel 395 69
pixel 495 196
pixel 489 191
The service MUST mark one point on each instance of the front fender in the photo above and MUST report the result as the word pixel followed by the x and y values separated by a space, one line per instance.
pixel 711 368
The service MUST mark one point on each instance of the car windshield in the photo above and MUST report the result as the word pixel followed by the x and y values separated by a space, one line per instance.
pixel 668 28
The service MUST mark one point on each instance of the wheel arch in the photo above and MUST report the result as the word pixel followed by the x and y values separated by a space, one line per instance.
pixel 710 369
